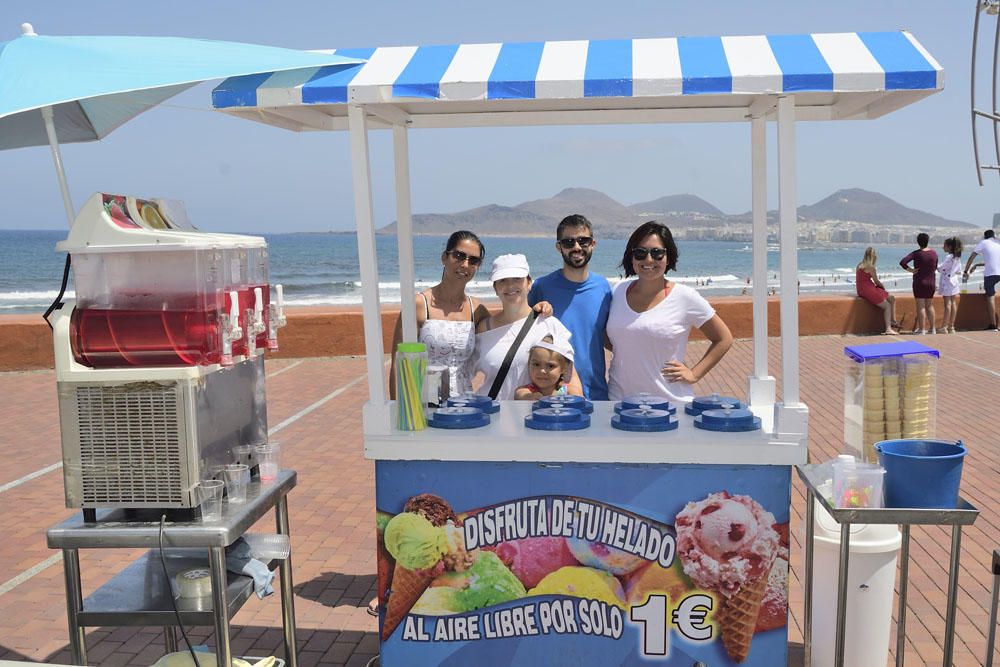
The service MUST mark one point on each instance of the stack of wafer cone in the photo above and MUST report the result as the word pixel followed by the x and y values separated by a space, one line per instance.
pixel 737 618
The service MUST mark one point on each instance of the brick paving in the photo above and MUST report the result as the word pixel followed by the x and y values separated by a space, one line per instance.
pixel 331 510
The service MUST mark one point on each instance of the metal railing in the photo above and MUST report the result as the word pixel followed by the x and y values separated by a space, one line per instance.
pixel 990 8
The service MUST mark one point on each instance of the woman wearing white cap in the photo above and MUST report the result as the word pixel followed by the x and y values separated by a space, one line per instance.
pixel 497 335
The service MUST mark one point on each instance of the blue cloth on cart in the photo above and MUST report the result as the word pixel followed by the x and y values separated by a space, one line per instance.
pixel 239 561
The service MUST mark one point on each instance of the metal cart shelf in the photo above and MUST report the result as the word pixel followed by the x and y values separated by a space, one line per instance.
pixel 140 595
pixel 963 515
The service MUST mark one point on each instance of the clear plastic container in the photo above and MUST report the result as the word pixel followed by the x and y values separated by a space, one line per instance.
pixel 857 485
pixel 890 391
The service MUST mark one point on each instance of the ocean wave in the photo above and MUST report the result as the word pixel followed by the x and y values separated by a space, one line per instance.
pixel 32 296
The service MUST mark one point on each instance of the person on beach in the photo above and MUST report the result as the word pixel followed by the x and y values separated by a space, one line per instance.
pixel 950 281
pixel 447 316
pixel 871 289
pixel 497 334
pixel 581 300
pixel 550 364
pixel 651 318
pixel 925 262
pixel 989 248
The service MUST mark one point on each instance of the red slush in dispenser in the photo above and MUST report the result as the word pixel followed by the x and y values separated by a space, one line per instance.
pixel 151 290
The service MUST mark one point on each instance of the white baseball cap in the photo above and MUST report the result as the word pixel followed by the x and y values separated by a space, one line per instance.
pixel 509 266
pixel 560 346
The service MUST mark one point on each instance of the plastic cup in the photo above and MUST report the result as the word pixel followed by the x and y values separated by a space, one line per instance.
pixel 210 499
pixel 242 453
pixel 237 476
pixel 267 461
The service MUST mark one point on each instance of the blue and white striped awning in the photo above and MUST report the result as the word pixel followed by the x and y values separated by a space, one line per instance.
pixel 835 75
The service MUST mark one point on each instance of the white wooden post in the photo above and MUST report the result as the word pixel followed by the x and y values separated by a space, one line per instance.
pixel 791 414
pixel 761 386
pixel 404 232
pixel 376 415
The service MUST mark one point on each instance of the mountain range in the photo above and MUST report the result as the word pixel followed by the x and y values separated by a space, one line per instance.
pixel 612 219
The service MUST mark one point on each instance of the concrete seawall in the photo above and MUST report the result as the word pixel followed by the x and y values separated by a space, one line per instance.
pixel 26 342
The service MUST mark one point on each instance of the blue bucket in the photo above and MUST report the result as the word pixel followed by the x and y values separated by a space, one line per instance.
pixel 921 473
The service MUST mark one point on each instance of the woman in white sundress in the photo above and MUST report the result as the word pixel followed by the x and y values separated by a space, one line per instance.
pixel 447 316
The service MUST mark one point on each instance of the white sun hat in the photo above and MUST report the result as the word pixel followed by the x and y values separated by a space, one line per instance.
pixel 509 266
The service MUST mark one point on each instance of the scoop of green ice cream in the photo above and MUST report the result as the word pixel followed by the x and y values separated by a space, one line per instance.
pixel 490 582
pixel 414 541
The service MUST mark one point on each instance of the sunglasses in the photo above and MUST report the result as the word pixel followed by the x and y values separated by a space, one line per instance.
pixel 460 257
pixel 570 241
pixel 640 254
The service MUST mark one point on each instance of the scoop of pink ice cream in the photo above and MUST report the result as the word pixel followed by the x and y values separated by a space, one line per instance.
pixel 531 558
pixel 725 541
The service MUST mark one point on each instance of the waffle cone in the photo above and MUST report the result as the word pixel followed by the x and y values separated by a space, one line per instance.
pixel 737 618
pixel 385 564
pixel 407 586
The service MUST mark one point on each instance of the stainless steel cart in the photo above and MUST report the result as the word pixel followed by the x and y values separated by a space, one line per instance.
pixel 141 595
pixel 964 515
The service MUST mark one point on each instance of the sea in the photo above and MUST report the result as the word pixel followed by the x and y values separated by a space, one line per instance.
pixel 322 268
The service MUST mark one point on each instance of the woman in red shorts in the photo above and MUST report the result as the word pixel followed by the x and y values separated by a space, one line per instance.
pixel 871 289
pixel 924 271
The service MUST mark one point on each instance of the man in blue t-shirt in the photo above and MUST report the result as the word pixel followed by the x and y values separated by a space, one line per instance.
pixel 580 300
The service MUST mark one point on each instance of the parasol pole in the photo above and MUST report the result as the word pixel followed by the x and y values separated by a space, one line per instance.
pixel 50 129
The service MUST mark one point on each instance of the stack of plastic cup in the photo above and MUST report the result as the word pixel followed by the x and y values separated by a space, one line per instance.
pixel 411 367
pixel 237 477
pixel 210 499
pixel 267 461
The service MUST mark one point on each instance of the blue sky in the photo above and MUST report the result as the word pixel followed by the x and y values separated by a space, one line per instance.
pixel 236 175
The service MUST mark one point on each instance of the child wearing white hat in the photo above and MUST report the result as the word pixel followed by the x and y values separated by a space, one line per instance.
pixel 550 365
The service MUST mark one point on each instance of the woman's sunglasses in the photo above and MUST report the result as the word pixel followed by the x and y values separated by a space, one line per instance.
pixel 570 241
pixel 460 257
pixel 640 254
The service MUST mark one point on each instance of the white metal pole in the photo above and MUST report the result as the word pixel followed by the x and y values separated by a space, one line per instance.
pixel 788 220
pixel 50 130
pixel 404 232
pixel 758 141
pixel 366 254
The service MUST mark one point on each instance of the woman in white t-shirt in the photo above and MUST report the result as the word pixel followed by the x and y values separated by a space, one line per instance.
pixel 651 318
pixel 495 334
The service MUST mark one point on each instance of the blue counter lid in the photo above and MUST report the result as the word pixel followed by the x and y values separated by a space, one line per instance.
pixel 863 353
pixel 729 420
pixel 456 417
pixel 557 419
pixel 564 401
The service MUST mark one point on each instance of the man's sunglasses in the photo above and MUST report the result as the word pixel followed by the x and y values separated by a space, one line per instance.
pixel 640 254
pixel 460 257
pixel 570 241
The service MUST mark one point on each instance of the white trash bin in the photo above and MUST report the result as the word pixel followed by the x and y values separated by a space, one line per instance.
pixel 871 577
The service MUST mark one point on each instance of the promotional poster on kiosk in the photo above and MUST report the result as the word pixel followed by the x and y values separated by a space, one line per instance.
pixel 611 564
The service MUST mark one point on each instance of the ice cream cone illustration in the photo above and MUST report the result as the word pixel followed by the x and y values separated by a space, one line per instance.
pixel 425 540
pixel 737 618
pixel 727 545
pixel 418 547
pixel 385 561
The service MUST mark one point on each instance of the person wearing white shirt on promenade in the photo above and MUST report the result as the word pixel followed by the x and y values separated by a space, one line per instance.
pixel 989 248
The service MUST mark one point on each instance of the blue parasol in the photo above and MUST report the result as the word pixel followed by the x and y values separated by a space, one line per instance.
pixel 74 89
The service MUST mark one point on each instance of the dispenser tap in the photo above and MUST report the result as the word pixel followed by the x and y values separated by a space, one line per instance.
pixel 231 330
pixel 255 321
pixel 276 318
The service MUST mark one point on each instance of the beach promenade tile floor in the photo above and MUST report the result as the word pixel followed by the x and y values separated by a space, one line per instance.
pixel 314 411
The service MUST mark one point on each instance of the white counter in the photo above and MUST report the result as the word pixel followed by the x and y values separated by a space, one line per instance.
pixel 507 439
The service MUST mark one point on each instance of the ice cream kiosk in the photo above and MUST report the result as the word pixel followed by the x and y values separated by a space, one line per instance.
pixel 654 538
